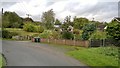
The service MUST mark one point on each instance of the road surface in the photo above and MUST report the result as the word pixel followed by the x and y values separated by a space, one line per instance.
pixel 26 53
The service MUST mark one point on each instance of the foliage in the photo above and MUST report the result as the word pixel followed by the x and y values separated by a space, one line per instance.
pixel 7 34
pixel 57 22
pixel 21 32
pixel 55 35
pixel 113 30
pixel 98 35
pixel 76 31
pixel 67 35
pixel 30 27
pixel 88 29
pixel 67 20
pixel 12 20
pixel 39 29
pixel 80 22
pixel 48 19
pixel 46 34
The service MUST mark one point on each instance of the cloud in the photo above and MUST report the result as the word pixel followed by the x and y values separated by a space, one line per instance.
pixel 99 9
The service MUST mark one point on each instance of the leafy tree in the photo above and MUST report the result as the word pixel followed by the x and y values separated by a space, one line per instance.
pixel 48 19
pixel 80 22
pixel 68 20
pixel 12 20
pixel 88 29
pixel 57 22
pixel 113 30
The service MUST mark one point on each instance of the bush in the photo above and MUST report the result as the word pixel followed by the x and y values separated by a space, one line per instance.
pixel 67 35
pixel 29 27
pixel 46 34
pixel 39 29
pixel 98 35
pixel 7 34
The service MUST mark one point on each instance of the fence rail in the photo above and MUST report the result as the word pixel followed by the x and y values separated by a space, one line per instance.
pixel 67 42
pixel 104 42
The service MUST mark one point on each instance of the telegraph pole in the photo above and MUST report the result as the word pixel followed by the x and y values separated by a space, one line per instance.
pixel 28 15
pixel 2 11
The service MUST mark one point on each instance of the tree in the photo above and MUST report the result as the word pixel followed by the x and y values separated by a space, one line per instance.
pixel 80 22
pixel 88 29
pixel 57 22
pixel 113 30
pixel 48 19
pixel 68 20
pixel 11 20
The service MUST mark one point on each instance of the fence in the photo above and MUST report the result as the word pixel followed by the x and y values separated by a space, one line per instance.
pixel 67 42
pixel 22 37
pixel 104 42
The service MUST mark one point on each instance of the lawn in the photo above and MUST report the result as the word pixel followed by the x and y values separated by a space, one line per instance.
pixel 20 31
pixel 100 56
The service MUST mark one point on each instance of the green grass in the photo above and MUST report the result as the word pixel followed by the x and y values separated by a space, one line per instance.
pixel 20 31
pixel 2 61
pixel 101 56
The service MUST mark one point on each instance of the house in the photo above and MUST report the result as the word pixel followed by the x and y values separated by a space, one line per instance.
pixel 27 19
pixel 116 19
pixel 101 26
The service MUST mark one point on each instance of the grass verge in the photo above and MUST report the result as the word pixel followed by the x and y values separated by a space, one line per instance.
pixel 2 61
pixel 97 56
pixel 101 56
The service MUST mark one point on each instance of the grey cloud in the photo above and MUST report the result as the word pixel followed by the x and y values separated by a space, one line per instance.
pixel 7 4
pixel 49 3
pixel 99 7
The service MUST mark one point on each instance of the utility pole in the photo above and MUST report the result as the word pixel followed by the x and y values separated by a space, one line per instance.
pixel 28 15
pixel 93 19
pixel 2 11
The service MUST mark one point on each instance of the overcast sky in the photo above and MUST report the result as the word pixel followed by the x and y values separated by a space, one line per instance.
pixel 100 10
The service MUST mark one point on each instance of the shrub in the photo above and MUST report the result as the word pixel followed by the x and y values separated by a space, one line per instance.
pixel 7 34
pixel 46 34
pixel 98 35
pixel 67 35
pixel 39 29
pixel 29 27
pixel 76 31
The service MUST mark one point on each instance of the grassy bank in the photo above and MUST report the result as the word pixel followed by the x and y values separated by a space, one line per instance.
pixel 2 61
pixel 20 31
pixel 101 56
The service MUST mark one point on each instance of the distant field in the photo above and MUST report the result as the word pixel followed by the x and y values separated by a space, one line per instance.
pixel 101 56
pixel 20 31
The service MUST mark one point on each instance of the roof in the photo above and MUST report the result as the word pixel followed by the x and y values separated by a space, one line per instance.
pixel 117 19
